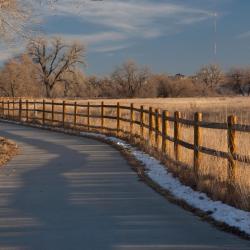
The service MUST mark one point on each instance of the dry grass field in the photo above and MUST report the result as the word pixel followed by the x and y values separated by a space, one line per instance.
pixel 212 107
pixel 213 172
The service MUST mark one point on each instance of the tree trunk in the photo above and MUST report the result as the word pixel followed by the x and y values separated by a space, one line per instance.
pixel 12 90
pixel 48 91
pixel 66 89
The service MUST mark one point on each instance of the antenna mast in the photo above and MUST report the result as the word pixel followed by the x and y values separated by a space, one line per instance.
pixel 215 35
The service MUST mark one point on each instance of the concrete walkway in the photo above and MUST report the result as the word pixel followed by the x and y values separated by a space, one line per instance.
pixel 66 192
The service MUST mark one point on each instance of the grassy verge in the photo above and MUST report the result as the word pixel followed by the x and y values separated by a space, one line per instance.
pixel 8 149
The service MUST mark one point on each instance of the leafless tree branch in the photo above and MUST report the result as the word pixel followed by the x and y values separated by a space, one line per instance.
pixel 55 59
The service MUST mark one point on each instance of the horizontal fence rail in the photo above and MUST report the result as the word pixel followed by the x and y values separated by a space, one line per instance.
pixel 154 126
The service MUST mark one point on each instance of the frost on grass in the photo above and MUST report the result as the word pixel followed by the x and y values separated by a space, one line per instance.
pixel 158 173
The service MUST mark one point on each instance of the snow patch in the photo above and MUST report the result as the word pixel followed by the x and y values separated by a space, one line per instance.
pixel 157 172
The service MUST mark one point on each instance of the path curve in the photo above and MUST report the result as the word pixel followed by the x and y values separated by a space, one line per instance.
pixel 68 192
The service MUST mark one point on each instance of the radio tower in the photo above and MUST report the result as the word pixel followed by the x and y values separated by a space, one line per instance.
pixel 215 15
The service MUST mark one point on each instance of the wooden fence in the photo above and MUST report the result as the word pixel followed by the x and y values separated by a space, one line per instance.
pixel 154 130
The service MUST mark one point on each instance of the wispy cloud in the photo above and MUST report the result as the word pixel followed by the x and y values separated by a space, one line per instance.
pixel 130 16
pixel 93 41
pixel 119 23
pixel 108 49
pixel 124 20
pixel 244 35
pixel 6 54
pixel 95 38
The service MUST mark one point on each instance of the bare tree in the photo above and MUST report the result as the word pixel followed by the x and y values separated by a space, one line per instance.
pixel 210 75
pixel 130 78
pixel 9 84
pixel 16 78
pixel 55 60
pixel 72 83
pixel 18 15
pixel 238 80
pixel 172 86
pixel 14 16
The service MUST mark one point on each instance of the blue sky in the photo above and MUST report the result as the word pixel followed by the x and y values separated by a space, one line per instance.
pixel 170 36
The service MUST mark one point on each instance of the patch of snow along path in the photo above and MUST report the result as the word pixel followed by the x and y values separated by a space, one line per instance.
pixel 158 173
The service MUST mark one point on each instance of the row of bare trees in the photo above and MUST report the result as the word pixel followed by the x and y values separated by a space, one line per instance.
pixel 54 68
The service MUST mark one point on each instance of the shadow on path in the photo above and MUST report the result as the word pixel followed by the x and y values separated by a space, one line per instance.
pixel 66 192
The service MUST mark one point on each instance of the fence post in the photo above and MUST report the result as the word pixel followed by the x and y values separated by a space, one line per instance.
pixel 63 114
pixel 156 128
pixel 232 120
pixel 1 108
pixel 132 118
pixel 142 118
pixel 20 109
pixel 34 111
pixel 165 128
pixel 27 111
pixel 102 116
pixel 150 125
pixel 75 115
pixel 4 108
pixel 3 103
pixel 43 112
pixel 8 107
pixel 176 135
pixel 118 113
pixel 52 112
pixel 13 109
pixel 2 113
pixel 88 116
pixel 197 142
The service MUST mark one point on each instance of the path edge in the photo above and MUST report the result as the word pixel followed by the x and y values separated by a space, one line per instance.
pixel 138 167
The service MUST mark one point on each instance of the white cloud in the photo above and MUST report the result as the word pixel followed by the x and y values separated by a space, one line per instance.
pixel 108 49
pixel 95 38
pixel 122 21
pixel 132 17
pixel 8 53
pixel 125 20
pixel 244 35
pixel 94 41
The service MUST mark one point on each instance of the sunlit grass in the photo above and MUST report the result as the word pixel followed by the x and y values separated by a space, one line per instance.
pixel 213 171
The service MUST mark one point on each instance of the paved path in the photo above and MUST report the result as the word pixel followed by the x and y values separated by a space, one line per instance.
pixel 66 192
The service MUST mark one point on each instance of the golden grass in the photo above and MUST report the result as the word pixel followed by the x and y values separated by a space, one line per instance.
pixel 214 107
pixel 8 149
pixel 213 172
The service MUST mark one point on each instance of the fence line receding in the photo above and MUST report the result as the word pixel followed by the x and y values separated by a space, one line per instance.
pixel 153 127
